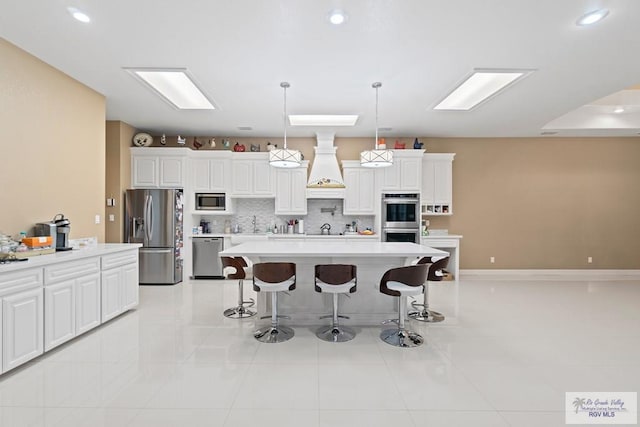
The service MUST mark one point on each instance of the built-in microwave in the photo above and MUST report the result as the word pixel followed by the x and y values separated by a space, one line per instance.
pixel 210 201
pixel 401 210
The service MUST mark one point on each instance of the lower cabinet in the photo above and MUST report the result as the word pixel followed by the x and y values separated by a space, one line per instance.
pixel 119 290
pixel 71 308
pixel 22 328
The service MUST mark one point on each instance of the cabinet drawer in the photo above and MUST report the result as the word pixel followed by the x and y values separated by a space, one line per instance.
pixel 118 259
pixel 440 243
pixel 71 270
pixel 20 280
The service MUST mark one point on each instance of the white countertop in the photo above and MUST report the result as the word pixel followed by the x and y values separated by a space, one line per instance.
pixel 332 249
pixel 442 236
pixel 44 260
pixel 290 236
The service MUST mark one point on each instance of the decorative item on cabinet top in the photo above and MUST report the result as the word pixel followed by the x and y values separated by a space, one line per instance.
pixel 142 139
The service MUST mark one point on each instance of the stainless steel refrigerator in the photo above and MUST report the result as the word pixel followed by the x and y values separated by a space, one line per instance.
pixel 154 218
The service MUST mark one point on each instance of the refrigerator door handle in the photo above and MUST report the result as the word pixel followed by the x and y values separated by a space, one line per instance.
pixel 132 232
pixel 150 217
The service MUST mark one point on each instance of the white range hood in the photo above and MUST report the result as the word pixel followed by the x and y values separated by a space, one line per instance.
pixel 325 179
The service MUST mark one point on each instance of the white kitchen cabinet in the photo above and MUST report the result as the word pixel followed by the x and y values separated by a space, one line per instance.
pixel 437 184
pixel 158 167
pixel 252 176
pixel 291 190
pixel 22 328
pixel 211 171
pixel 359 198
pixel 21 322
pixel 405 174
pixel 65 314
pixel 119 283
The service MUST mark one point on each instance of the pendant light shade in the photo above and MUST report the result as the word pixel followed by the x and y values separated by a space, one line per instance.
pixel 283 157
pixel 376 158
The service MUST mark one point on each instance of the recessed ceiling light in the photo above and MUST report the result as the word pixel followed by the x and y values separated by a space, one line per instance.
pixel 323 119
pixel 175 86
pixel 618 110
pixel 592 17
pixel 385 129
pixel 548 132
pixel 479 87
pixel 79 15
pixel 245 128
pixel 337 17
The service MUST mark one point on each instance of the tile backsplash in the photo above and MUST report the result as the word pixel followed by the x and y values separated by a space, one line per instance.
pixel 264 210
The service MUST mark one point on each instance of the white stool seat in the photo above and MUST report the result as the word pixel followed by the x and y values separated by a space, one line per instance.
pixel 345 288
pixel 405 290
pixel 274 287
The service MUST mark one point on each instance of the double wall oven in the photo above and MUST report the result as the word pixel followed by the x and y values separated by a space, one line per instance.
pixel 401 217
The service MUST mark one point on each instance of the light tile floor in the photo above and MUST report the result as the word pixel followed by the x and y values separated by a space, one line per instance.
pixel 506 354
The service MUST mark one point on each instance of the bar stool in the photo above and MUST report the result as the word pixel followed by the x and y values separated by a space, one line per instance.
pixel 435 274
pixel 335 279
pixel 274 277
pixel 403 282
pixel 236 268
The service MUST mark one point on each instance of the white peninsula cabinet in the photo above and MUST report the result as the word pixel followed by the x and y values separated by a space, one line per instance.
pixel 359 197
pixel 21 303
pixel 252 176
pixel 50 299
pixel 437 184
pixel 291 190
pixel 72 300
pixel 405 174
pixel 158 167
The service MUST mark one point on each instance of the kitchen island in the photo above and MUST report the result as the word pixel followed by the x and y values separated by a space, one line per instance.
pixel 365 307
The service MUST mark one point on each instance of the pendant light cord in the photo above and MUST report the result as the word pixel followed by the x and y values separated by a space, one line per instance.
pixel 376 86
pixel 285 85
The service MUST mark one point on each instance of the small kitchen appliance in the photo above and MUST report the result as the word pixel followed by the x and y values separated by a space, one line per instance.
pixel 325 229
pixel 58 229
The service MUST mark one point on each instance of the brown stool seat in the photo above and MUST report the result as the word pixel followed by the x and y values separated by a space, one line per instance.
pixel 402 282
pixel 274 277
pixel 335 279
pixel 435 275
pixel 236 268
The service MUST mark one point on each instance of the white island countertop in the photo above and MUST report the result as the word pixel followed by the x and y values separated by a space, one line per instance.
pixel 73 255
pixel 331 249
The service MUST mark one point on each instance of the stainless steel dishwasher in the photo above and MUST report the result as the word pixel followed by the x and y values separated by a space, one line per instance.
pixel 206 257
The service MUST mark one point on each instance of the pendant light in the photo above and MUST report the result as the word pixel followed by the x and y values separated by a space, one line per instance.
pixel 283 157
pixel 376 158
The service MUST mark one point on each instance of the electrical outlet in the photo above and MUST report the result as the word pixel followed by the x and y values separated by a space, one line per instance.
pixel 492 260
pixel 112 217
pixel 589 260
pixel 98 219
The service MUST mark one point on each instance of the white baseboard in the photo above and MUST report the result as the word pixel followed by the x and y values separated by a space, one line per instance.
pixel 548 274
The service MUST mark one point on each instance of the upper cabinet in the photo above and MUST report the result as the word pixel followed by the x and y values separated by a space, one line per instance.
pixel 405 174
pixel 252 176
pixel 437 184
pixel 359 198
pixel 291 190
pixel 211 172
pixel 158 167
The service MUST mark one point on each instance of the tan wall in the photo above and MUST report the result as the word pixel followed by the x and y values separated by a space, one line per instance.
pixel 52 143
pixel 532 202
pixel 118 176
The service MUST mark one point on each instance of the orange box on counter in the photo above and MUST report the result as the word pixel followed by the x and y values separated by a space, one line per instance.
pixel 37 242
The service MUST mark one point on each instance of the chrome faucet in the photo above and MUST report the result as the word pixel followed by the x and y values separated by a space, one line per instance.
pixel 255 228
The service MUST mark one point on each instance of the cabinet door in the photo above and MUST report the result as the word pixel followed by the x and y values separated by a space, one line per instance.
pixel 171 172
pixel 366 191
pixel 22 328
pixel 110 290
pixel 443 188
pixel 87 303
pixel 299 191
pixel 410 174
pixel 352 191
pixel 218 170
pixel 201 177
pixel 145 172
pixel 428 184
pixel 390 176
pixel 59 314
pixel 130 286
pixel 242 177
pixel 263 178
pixel 283 191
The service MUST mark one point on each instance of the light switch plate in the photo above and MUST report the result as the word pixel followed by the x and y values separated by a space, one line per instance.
pixel 98 219
pixel 112 217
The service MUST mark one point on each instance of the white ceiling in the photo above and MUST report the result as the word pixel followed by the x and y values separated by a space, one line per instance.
pixel 239 51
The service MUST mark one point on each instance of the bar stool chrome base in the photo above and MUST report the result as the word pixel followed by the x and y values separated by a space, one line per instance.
pixel 401 338
pixel 335 334
pixel 269 334
pixel 426 316
pixel 239 312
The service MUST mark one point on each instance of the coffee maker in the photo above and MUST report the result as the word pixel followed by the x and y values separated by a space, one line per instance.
pixel 58 229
